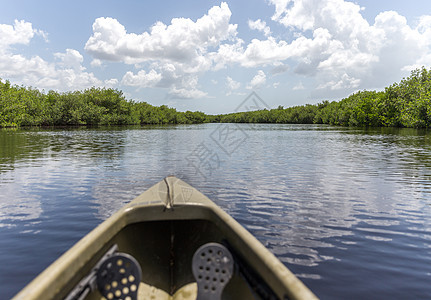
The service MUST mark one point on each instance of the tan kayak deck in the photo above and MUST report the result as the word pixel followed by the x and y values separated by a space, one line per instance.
pixel 162 228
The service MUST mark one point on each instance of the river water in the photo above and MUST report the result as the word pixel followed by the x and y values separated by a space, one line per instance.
pixel 347 210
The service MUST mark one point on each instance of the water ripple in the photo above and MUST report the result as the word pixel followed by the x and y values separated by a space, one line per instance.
pixel 334 204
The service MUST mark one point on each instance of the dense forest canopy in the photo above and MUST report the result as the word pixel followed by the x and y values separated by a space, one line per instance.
pixel 20 106
pixel 404 104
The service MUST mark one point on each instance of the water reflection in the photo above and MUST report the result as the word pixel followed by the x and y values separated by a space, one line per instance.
pixel 39 164
pixel 326 200
pixel 151 155
pixel 17 146
pixel 326 190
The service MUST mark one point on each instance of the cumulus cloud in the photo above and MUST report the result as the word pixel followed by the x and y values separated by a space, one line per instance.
pixel 345 82
pixel 37 72
pixel 19 33
pixel 64 74
pixel 70 59
pixel 258 81
pixel 336 44
pixel 176 51
pixel 256 54
pixel 111 82
pixel 180 86
pixel 183 41
pixel 96 63
pixel 259 25
pixel 329 40
pixel 231 85
pixel 183 93
pixel 142 79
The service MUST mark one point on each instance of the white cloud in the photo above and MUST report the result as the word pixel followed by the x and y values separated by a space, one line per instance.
pixel 183 41
pixel 111 82
pixel 257 53
pixel 258 81
pixel 95 63
pixel 228 54
pixel 71 59
pixel 37 72
pixel 231 85
pixel 338 16
pixel 424 26
pixel 345 51
pixel 19 33
pixel 182 93
pixel 142 79
pixel 186 88
pixel 42 34
pixel 260 26
pixel 345 82
pixel 179 87
pixel 176 52
pixel 329 40
pixel 308 52
pixel 64 74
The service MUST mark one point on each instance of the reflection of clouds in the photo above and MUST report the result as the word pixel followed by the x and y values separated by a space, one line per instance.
pixel 41 186
pixel 148 156
pixel 308 193
pixel 302 192
pixel 49 167
pixel 17 205
pixel 111 194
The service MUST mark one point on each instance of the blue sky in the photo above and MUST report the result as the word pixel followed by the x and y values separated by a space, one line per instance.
pixel 209 55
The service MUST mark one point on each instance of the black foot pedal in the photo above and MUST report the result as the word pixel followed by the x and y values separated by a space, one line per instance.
pixel 213 268
pixel 118 277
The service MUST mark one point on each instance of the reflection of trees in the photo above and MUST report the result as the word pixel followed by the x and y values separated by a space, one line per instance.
pixel 24 145
pixel 18 145
pixel 396 151
pixel 298 188
pixel 42 167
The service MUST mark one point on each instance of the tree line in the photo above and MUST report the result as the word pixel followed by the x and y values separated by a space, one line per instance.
pixel 21 106
pixel 404 104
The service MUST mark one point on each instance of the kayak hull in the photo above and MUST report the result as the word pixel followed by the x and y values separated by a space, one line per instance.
pixel 162 228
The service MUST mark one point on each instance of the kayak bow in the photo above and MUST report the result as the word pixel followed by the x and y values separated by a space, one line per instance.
pixel 171 242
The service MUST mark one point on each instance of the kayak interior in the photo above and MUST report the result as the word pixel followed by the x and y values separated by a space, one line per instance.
pixel 165 253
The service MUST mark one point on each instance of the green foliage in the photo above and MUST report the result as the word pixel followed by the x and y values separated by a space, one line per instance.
pixel 404 104
pixel 21 106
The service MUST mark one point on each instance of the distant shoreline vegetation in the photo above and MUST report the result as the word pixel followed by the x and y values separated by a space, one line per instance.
pixel 404 104
pixel 21 106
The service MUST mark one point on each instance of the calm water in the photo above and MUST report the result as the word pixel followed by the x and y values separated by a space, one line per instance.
pixel 347 210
